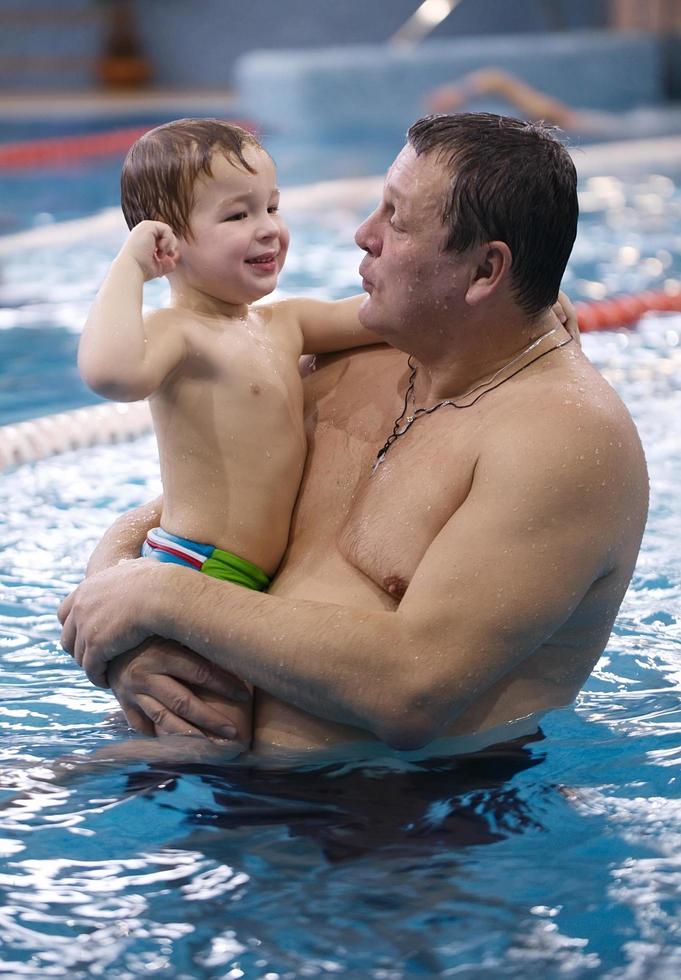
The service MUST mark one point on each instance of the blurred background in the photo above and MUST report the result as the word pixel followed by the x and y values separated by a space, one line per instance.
pixel 89 45
pixel 330 88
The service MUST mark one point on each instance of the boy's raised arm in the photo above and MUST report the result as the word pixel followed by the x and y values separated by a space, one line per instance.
pixel 122 355
pixel 330 325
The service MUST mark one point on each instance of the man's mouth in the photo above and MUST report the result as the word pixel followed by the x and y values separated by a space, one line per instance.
pixel 367 284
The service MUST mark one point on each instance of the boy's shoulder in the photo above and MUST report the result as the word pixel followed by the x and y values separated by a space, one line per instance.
pixel 278 308
pixel 281 313
pixel 165 316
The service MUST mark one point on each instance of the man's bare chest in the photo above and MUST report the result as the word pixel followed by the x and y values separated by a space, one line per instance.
pixel 382 519
pixel 402 503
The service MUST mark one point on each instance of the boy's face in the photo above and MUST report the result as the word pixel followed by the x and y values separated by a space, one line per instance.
pixel 239 241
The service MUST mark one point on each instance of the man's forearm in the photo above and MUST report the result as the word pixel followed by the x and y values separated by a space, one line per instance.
pixel 125 537
pixel 360 669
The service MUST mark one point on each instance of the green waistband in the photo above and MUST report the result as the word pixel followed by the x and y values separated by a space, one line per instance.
pixel 231 568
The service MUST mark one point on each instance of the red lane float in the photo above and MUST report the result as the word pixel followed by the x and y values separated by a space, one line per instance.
pixel 622 311
pixel 62 149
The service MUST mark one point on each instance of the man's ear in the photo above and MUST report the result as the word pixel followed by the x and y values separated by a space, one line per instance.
pixel 491 268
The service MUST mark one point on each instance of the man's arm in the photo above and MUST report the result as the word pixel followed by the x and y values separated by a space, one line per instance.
pixel 537 529
pixel 125 537
pixel 164 688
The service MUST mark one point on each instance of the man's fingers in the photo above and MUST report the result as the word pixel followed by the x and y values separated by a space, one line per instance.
pixel 65 608
pixel 68 635
pixel 164 722
pixel 182 709
pixel 93 664
pixel 138 720
pixel 202 673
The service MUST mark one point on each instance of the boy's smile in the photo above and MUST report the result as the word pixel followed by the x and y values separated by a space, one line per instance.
pixel 238 240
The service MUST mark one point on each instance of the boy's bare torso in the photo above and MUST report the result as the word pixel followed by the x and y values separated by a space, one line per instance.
pixel 229 424
pixel 357 538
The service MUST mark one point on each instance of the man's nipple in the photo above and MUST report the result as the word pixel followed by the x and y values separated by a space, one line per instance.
pixel 255 388
pixel 395 585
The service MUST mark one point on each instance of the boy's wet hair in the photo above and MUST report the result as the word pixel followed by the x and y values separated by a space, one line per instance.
pixel 162 166
pixel 510 181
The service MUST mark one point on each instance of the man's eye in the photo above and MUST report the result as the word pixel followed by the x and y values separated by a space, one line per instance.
pixel 273 209
pixel 236 217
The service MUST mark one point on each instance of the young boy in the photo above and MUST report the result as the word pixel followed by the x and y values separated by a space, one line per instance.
pixel 201 200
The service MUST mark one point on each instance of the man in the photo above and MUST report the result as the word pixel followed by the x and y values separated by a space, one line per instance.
pixel 469 519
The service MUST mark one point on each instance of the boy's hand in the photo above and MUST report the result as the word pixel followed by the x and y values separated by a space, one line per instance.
pixel 153 245
pixel 567 315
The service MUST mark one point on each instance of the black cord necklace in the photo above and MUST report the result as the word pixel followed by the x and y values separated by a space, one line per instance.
pixel 406 423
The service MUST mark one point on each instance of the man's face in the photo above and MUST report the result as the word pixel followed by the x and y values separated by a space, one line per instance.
pixel 412 284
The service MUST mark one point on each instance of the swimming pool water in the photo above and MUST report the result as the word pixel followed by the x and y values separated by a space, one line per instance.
pixel 560 859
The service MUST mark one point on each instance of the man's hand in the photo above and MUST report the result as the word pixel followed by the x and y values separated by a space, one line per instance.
pixel 104 618
pixel 165 689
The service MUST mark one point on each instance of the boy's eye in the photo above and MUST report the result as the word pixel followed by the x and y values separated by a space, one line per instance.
pixel 273 209
pixel 236 217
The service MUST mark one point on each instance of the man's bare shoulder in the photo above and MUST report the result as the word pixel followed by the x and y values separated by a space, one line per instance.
pixel 569 404
pixel 567 441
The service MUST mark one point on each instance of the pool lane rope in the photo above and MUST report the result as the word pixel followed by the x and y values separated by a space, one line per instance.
pixel 56 150
pixel 623 311
pixel 27 442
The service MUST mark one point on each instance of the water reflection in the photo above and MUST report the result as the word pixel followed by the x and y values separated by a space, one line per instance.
pixel 350 814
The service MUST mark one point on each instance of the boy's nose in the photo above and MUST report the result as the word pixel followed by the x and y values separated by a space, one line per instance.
pixel 268 227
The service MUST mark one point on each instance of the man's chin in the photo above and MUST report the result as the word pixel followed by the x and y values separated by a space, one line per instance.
pixel 367 316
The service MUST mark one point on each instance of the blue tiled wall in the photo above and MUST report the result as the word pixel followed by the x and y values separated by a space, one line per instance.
pixel 331 89
pixel 198 43
pixel 195 43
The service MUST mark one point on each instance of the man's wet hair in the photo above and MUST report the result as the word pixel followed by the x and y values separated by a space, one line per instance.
pixel 161 169
pixel 511 181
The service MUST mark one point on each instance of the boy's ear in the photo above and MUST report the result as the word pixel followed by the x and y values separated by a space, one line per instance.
pixel 490 269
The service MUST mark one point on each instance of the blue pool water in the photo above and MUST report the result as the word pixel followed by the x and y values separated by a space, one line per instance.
pixel 559 859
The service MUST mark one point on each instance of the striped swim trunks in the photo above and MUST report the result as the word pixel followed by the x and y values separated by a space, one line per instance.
pixel 204 558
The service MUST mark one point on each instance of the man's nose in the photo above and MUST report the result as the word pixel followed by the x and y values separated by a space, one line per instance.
pixel 367 238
